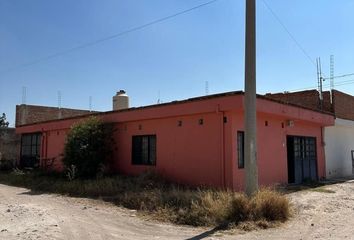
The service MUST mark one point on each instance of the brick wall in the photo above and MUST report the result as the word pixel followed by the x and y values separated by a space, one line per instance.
pixel 343 105
pixel 327 105
pixel 27 114
pixel 309 99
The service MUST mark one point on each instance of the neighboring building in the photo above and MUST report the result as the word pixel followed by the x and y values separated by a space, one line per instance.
pixel 9 147
pixel 338 139
pixel 27 114
pixel 199 141
pixel 30 114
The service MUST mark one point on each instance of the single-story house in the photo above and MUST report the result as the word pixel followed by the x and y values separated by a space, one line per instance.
pixel 200 141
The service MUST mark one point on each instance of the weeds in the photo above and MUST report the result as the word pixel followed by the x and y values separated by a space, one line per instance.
pixel 165 201
pixel 270 205
pixel 71 172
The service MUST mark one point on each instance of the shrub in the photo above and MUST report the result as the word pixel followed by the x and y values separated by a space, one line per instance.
pixel 87 147
pixel 6 165
pixel 207 207
pixel 270 205
pixel 211 208
pixel 240 208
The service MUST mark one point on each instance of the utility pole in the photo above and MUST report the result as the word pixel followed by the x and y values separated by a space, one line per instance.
pixel 320 79
pixel 250 100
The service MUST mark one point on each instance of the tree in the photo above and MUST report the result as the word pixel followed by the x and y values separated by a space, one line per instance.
pixel 87 147
pixel 3 122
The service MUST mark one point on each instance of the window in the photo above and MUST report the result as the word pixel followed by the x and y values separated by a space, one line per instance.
pixel 241 149
pixel 144 150
pixel 30 150
pixel 30 145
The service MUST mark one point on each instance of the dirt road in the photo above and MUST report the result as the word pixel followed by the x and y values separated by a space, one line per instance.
pixel 27 215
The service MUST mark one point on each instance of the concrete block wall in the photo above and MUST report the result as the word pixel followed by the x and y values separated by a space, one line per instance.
pixel 28 114
pixel 309 99
pixel 9 144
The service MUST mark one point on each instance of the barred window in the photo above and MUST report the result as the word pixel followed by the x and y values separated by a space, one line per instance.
pixel 241 149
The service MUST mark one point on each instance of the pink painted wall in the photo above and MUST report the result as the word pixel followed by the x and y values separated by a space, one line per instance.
pixel 53 147
pixel 187 154
pixel 200 154
pixel 272 148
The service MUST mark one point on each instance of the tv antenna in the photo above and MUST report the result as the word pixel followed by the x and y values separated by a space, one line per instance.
pixel 331 71
pixel 158 97
pixel 59 99
pixel 90 103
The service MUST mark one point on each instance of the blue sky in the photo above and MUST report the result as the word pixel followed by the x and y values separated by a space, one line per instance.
pixel 175 57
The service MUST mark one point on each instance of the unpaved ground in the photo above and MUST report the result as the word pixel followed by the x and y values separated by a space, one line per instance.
pixel 27 215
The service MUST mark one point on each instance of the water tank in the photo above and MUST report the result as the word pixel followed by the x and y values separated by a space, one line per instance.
pixel 120 101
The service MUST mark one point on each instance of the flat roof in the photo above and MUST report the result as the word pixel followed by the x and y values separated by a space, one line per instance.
pixel 200 98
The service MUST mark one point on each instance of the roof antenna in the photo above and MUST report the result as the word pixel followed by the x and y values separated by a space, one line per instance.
pixel 158 97
pixel 59 99
pixel 206 88
pixel 331 75
pixel 90 103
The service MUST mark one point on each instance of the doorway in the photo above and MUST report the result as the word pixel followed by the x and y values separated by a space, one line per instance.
pixel 302 159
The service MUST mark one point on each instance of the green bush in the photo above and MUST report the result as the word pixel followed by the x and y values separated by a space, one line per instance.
pixel 87 147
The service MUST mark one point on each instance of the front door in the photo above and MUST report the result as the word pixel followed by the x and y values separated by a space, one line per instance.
pixel 302 159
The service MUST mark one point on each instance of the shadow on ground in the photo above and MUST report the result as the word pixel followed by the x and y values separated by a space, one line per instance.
pixel 208 233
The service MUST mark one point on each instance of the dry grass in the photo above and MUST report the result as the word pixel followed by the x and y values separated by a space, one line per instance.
pixel 151 195
pixel 270 205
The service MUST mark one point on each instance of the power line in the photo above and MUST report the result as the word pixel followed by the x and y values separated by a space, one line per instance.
pixel 98 41
pixel 289 33
pixel 342 76
pixel 328 85
pixel 344 83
